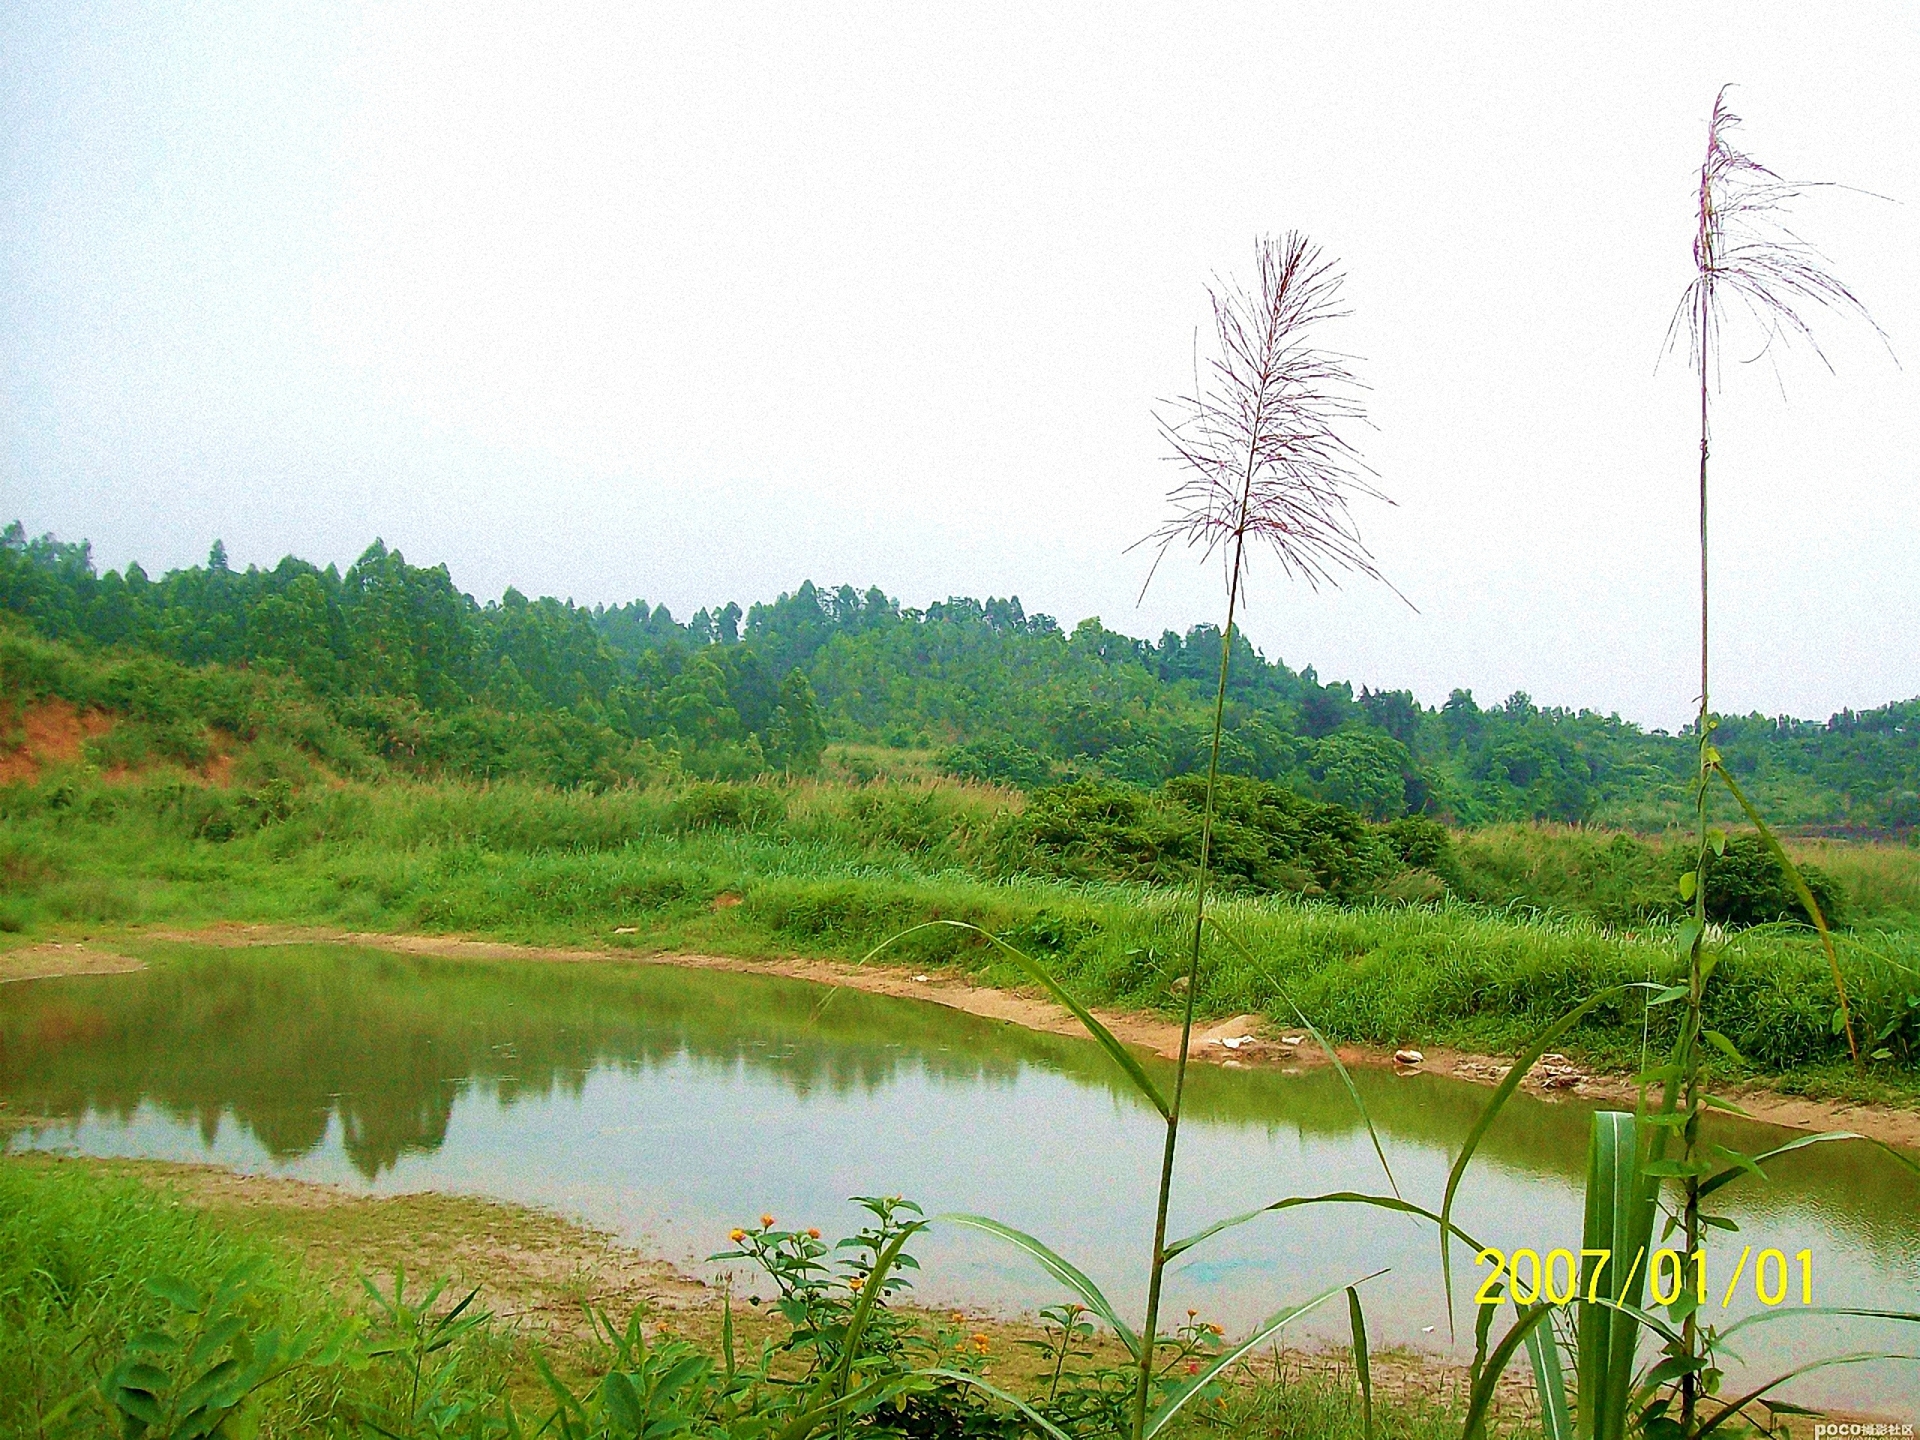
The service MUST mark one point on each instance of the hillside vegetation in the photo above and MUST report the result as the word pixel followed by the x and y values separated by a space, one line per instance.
pixel 1389 952
pixel 390 663
pixel 172 770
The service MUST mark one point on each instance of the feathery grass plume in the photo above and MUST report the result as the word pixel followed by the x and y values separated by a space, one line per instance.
pixel 1745 255
pixel 1263 440
pixel 1264 436
pixel 1744 251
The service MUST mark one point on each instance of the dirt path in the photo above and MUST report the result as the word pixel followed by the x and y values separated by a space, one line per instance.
pixel 49 960
pixel 1245 1040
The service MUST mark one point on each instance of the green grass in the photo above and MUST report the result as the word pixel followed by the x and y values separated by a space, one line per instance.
pixel 81 1253
pixel 81 1243
pixel 833 870
pixel 1307 1405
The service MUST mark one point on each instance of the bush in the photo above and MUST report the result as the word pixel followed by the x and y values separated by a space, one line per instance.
pixel 998 762
pixel 1265 838
pixel 716 805
pixel 1746 886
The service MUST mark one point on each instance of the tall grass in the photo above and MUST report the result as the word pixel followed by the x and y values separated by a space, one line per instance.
pixel 1745 256
pixel 828 871
pixel 78 1258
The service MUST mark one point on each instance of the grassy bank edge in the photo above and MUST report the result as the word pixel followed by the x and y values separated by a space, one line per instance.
pixel 536 1271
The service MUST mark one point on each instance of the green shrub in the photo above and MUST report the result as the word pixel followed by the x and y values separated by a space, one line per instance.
pixel 717 805
pixel 1265 837
pixel 998 762
pixel 1746 886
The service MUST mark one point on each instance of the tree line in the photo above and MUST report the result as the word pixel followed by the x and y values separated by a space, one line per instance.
pixel 424 673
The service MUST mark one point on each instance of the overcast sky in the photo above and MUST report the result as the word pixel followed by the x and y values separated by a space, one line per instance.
pixel 693 303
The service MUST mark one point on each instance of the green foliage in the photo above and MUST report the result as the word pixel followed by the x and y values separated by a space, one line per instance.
pixel 126 1314
pixel 200 1372
pixel 1747 886
pixel 998 762
pixel 667 1388
pixel 1265 838
pixel 834 870
pixel 389 666
pixel 122 1312
pixel 1627 880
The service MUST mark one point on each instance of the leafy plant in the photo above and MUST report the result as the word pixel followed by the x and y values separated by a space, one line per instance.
pixel 650 1392
pixel 200 1375
pixel 419 1341
pixel 821 1289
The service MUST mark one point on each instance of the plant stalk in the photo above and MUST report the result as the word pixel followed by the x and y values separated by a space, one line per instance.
pixel 1144 1382
pixel 1696 979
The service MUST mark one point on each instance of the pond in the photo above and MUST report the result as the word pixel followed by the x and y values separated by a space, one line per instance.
pixel 667 1104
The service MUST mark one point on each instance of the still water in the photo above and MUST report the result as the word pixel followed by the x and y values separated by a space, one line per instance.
pixel 666 1105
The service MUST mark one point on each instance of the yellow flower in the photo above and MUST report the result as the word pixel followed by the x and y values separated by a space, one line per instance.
pixel 813 1233
pixel 980 1342
pixel 736 1235
pixel 766 1221
pixel 1216 1329
pixel 854 1282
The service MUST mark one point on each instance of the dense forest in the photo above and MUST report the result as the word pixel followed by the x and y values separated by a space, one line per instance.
pixel 392 661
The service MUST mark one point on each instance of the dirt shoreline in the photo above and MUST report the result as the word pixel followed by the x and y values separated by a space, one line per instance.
pixel 538 1271
pixel 1241 1041
pixel 51 959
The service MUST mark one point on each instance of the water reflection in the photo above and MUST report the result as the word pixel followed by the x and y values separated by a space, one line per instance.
pixel 667 1103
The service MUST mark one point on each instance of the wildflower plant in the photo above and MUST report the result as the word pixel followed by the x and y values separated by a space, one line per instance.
pixel 819 1288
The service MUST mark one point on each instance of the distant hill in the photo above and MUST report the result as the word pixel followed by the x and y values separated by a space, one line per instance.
pixel 389 664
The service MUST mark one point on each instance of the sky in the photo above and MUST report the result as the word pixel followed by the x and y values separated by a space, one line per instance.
pixel 609 301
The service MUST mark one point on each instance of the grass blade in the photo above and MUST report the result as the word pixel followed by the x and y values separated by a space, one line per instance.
pixel 1056 1265
pixel 1760 1317
pixel 808 1420
pixel 1556 1419
pixel 1899 1157
pixel 1619 1221
pixel 1120 1054
pixel 1336 1197
pixel 1482 1397
pixel 1362 1366
pixel 1812 906
pixel 1033 1417
pixel 1734 1172
pixel 1536 1047
pixel 1734 1407
pixel 1177 1401
pixel 870 1294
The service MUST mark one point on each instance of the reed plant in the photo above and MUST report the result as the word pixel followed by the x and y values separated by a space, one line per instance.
pixel 1746 256
pixel 1264 443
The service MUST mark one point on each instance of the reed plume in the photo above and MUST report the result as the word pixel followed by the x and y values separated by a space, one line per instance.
pixel 1264 437
pixel 1263 441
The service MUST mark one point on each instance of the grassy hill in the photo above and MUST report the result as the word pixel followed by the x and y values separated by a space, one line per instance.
pixel 391 663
